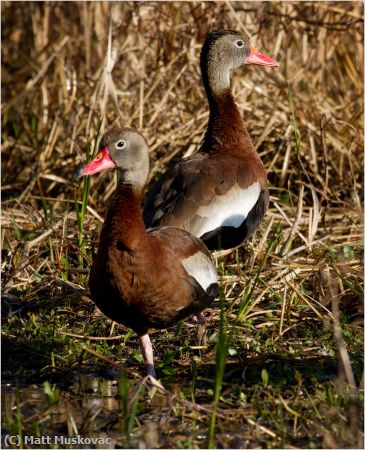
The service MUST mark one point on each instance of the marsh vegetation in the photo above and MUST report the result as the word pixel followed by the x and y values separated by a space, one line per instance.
pixel 279 365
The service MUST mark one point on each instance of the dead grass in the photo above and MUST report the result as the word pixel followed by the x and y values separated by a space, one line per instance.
pixel 293 295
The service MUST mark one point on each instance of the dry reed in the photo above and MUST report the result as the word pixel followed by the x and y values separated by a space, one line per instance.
pixel 68 66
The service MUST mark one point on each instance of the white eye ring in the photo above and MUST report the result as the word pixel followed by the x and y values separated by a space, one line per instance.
pixel 239 43
pixel 120 144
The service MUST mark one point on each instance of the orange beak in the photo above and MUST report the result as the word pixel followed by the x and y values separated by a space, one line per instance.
pixel 255 57
pixel 102 161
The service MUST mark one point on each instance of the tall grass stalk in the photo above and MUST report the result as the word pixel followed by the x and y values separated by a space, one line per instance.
pixel 19 418
pixel 220 359
pixel 47 215
pixel 123 389
pixel 16 228
pixel 246 305
pixel 81 212
pixel 129 407
pixel 313 139
pixel 298 137
pixel 44 202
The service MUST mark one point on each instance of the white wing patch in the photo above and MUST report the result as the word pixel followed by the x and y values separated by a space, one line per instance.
pixel 230 209
pixel 200 267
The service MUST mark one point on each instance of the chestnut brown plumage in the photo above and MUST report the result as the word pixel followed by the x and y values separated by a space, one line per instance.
pixel 219 194
pixel 144 278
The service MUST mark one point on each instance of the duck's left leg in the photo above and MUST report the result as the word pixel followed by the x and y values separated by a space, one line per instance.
pixel 147 353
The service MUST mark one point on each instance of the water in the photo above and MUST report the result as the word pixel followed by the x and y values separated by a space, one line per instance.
pixel 90 407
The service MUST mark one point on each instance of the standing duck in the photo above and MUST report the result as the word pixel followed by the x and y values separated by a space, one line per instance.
pixel 144 278
pixel 220 194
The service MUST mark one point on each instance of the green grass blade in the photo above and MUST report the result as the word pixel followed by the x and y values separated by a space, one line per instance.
pixel 221 355
pixel 81 211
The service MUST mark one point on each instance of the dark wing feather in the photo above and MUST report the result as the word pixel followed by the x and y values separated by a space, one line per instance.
pixel 161 205
pixel 180 241
pixel 184 246
pixel 179 193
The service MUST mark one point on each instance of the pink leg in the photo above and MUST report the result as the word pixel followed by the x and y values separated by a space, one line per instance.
pixel 200 318
pixel 147 353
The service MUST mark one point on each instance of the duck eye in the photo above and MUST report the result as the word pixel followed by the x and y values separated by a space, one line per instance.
pixel 120 144
pixel 239 43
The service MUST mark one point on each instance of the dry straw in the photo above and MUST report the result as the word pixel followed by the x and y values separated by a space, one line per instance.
pixel 67 67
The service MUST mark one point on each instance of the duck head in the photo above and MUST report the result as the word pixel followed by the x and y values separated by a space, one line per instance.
pixel 124 149
pixel 226 50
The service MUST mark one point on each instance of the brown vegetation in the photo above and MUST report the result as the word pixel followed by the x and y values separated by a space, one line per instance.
pixel 293 294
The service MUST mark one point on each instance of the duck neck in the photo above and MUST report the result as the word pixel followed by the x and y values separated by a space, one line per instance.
pixel 226 131
pixel 123 223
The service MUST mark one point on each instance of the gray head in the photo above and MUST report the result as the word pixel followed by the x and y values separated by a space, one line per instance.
pixel 126 150
pixel 226 50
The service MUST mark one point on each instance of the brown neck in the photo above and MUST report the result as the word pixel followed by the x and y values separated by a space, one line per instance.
pixel 226 131
pixel 123 223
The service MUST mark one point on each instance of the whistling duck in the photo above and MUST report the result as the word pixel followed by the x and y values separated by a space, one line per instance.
pixel 144 278
pixel 220 194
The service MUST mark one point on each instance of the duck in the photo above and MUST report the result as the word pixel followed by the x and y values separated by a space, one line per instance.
pixel 219 194
pixel 144 278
